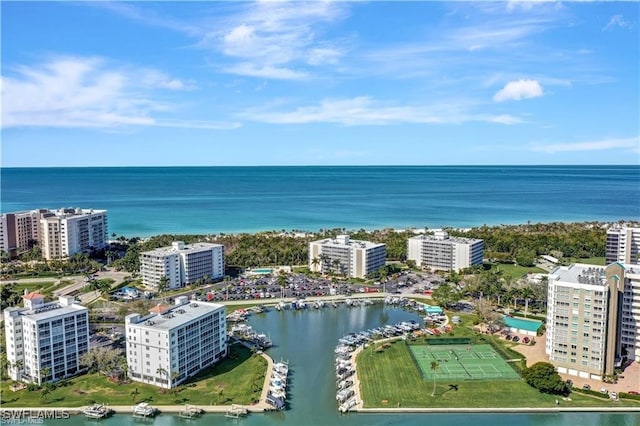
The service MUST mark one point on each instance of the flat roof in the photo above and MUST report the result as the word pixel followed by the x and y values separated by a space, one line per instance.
pixel 187 248
pixel 349 243
pixel 577 272
pixel 177 315
pixel 50 311
pixel 463 240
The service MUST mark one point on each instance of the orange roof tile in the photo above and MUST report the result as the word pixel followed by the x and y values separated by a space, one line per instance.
pixel 31 296
pixel 158 309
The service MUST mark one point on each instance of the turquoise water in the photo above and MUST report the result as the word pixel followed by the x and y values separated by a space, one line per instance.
pixel 306 339
pixel 262 271
pixel 144 201
pixel 522 324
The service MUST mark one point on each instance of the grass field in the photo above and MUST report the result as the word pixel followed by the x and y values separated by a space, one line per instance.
pixel 461 362
pixel 517 271
pixel 234 381
pixel 390 377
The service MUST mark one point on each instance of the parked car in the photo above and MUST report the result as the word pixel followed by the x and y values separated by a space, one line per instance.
pixel 604 391
pixel 586 387
pixel 614 395
pixel 634 392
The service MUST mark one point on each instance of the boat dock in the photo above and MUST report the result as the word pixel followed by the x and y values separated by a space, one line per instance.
pixel 190 412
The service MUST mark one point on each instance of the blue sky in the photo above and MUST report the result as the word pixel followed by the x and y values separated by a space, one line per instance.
pixel 315 83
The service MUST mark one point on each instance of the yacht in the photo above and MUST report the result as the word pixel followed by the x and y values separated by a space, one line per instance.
pixel 143 409
pixel 97 411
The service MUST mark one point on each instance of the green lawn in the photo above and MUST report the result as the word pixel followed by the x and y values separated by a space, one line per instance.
pixel 234 381
pixel 390 377
pixel 517 271
pixel 588 260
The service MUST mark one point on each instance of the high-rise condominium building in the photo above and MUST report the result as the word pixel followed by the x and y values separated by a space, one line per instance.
pixel 623 244
pixel 173 343
pixel 354 258
pixel 593 318
pixel 45 340
pixel 182 264
pixel 19 230
pixel 444 253
pixel 65 232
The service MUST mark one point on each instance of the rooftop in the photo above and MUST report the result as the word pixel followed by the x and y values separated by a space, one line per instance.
pixel 174 316
pixel 32 296
pixel 580 273
pixel 180 247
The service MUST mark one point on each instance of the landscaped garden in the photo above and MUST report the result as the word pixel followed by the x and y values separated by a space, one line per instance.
pixel 237 380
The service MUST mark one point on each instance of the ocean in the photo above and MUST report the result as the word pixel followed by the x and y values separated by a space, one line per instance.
pixel 146 201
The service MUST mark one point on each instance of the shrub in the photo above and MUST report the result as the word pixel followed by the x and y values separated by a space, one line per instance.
pixel 544 377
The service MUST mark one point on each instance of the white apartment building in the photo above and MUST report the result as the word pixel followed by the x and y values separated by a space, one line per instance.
pixel 45 340
pixel 623 244
pixel 65 232
pixel 444 253
pixel 593 318
pixel 173 343
pixel 182 264
pixel 19 229
pixel 354 258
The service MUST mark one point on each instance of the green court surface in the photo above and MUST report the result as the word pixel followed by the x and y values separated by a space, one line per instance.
pixel 462 362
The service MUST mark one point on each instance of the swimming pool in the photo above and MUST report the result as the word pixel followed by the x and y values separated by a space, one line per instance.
pixel 262 271
pixel 522 324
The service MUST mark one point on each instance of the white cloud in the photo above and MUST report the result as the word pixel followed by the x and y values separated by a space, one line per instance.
pixel 365 111
pixel 271 38
pixel 518 90
pixel 87 92
pixel 616 21
pixel 632 143
pixel 278 73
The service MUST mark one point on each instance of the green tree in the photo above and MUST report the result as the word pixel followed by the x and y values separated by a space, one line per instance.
pixel 544 377
pixel 45 392
pixel 163 283
pixel 434 367
pixel 445 295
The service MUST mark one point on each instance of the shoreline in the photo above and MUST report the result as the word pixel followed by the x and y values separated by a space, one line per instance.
pixel 295 232
pixel 221 409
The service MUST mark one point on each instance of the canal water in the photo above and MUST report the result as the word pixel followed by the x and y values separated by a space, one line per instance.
pixel 306 339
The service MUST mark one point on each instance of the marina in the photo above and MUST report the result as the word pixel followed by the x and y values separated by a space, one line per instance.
pixel 311 398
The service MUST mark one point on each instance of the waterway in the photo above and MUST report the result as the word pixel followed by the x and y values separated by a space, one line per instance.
pixel 306 339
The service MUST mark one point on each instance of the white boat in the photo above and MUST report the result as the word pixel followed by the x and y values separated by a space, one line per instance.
pixel 348 405
pixel 344 394
pixel 143 410
pixel 236 411
pixel 190 412
pixel 281 368
pixel 97 411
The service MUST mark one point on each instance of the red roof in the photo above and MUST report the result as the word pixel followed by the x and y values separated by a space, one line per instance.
pixel 31 296
pixel 158 309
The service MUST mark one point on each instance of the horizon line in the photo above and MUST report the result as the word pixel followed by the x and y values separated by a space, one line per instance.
pixel 314 165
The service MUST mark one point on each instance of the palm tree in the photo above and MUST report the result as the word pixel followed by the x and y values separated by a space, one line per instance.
pixel 134 395
pixel 44 373
pixel 162 284
pixel 174 377
pixel 19 364
pixel 314 263
pixel 336 265
pixel 46 390
pixel 527 294
pixel 434 367
pixel 161 371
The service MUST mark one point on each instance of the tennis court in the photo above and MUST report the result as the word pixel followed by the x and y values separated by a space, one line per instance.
pixel 461 362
